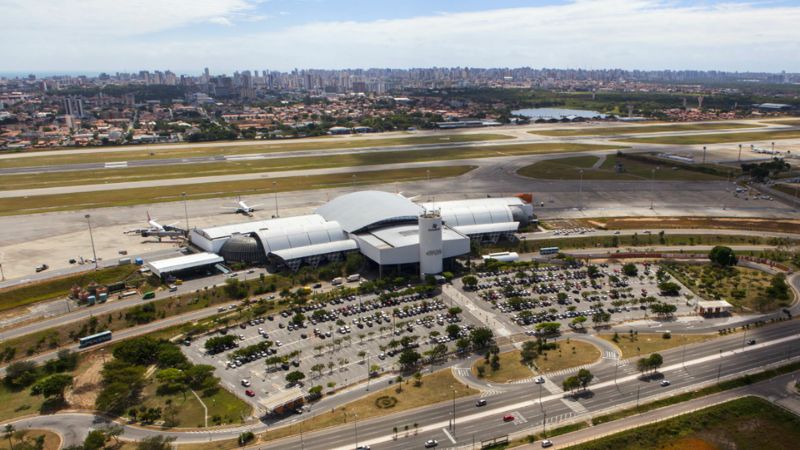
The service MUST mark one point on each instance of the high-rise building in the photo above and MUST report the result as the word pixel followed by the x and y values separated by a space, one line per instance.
pixel 73 106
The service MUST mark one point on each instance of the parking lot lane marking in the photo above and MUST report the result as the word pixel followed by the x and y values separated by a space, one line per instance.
pixel 449 436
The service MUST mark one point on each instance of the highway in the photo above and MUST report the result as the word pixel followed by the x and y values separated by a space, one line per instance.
pixel 696 365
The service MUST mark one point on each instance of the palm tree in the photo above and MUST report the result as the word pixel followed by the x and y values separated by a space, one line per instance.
pixel 9 432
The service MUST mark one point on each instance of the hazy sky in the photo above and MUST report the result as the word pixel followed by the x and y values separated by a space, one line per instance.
pixel 224 35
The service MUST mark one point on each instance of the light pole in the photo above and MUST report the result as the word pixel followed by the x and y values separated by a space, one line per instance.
pixel 580 191
pixel 354 182
pixel 2 275
pixel 719 369
pixel 744 338
pixel 704 154
pixel 454 409
pixel 740 153
pixel 275 190
pixel 653 186
pixel 94 253
pixel 369 375
pixel 185 210
pixel 355 427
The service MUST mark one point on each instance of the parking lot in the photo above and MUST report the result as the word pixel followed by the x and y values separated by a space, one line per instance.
pixel 333 343
pixel 526 297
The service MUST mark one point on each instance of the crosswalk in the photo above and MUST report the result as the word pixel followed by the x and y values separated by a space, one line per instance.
pixel 462 372
pixel 490 392
pixel 610 355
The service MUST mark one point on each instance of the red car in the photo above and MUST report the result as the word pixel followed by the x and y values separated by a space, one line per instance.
pixel 250 393
pixel 509 418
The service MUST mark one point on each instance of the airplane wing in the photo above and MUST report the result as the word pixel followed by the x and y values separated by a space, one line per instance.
pixel 254 206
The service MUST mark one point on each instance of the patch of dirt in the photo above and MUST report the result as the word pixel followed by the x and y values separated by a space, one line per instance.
pixel 779 225
pixel 86 385
pixel 690 443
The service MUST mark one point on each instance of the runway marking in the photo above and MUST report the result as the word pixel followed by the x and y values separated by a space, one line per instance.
pixel 446 433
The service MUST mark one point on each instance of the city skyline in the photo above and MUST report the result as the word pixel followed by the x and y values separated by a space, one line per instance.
pixel 228 35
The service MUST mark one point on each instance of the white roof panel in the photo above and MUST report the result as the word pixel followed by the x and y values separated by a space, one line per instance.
pixel 183 262
pixel 313 250
pixel 362 209
pixel 504 227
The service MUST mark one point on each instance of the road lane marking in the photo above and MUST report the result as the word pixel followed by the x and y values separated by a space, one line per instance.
pixel 446 433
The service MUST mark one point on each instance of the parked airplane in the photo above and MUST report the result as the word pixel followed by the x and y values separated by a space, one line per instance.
pixel 242 208
pixel 157 230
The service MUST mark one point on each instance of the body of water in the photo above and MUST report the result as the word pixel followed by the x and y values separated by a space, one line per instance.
pixel 557 113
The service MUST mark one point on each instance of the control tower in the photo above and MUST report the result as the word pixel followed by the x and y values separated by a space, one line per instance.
pixel 430 243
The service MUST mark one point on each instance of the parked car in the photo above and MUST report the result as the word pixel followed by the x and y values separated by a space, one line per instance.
pixel 547 443
pixel 250 393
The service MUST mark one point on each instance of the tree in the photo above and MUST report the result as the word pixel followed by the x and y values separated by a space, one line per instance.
pixel 20 374
pixel 669 288
pixel 114 431
pixel 722 256
pixel 592 271
pixel 52 386
pixel 571 383
pixel 155 443
pixel 481 337
pixel 663 309
pixel 452 330
pixel 172 380
pixel 579 321
pixel 584 377
pixel 295 376
pixel 8 433
pixel 528 353
pixel 200 376
pixel 95 440
pixel 655 361
pixel 470 281
pixel 601 317
pixel 408 358
pixel 548 327
pixel 630 270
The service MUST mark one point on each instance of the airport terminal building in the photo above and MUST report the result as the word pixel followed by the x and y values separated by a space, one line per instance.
pixel 386 228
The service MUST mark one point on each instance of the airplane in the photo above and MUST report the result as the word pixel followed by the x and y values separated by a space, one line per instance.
pixel 242 208
pixel 156 229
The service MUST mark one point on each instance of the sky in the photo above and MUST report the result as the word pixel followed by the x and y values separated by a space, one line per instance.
pixel 226 35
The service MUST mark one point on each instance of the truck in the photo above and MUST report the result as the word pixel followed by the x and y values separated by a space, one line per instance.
pixel 337 281
pixel 124 261
pixel 42 267
pixel 354 277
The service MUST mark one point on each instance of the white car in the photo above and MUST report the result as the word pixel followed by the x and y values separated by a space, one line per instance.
pixel 547 443
pixel 431 443
pixel 665 383
pixel 539 380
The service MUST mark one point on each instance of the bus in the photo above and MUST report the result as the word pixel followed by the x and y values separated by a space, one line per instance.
pixel 103 336
pixel 548 250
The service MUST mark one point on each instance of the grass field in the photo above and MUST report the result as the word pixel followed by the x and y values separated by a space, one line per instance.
pixel 127 197
pixel 645 343
pixel 511 369
pixel 189 413
pixel 51 440
pixel 59 287
pixel 170 151
pixel 641 240
pixel 570 353
pixel 568 169
pixel 745 423
pixel 719 138
pixel 18 403
pixel 665 223
pixel 435 388
pixel 641 129
pixel 31 181
pixel 744 288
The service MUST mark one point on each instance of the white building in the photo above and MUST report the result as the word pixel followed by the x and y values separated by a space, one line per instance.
pixel 382 226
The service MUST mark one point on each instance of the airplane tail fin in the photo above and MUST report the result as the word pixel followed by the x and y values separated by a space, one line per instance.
pixel 148 216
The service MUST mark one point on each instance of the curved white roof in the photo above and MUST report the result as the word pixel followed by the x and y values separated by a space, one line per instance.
pixel 360 210
pixel 301 235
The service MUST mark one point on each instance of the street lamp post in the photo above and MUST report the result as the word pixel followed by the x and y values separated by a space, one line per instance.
pixel 355 427
pixel 719 369
pixel 580 191
pixel 91 238
pixel 369 375
pixel 653 186
pixel 704 154
pixel 740 153
pixel 454 409
pixel 185 210
pixel 275 190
